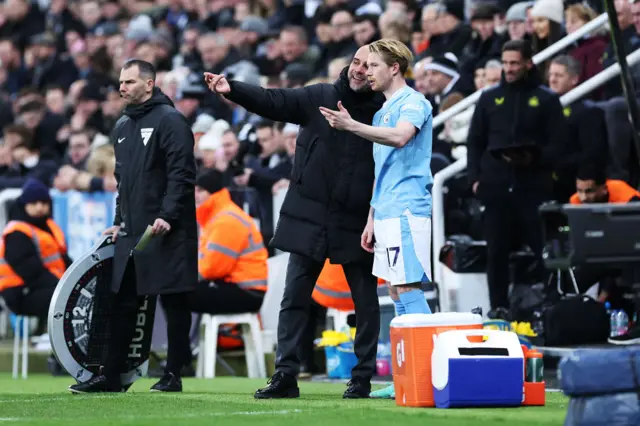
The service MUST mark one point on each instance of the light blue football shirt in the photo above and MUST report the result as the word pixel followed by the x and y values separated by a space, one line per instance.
pixel 403 175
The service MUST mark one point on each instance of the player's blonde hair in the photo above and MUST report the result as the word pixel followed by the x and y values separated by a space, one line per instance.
pixel 391 52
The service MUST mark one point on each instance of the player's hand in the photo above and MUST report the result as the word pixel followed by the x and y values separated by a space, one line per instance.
pixel 160 227
pixel 366 241
pixel 217 83
pixel 340 119
pixel 113 231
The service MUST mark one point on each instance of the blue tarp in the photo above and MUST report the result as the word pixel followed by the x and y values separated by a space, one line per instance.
pixel 603 386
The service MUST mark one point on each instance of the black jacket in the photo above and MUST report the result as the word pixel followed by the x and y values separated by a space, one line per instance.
pixel 587 147
pixel 517 114
pixel 155 170
pixel 327 204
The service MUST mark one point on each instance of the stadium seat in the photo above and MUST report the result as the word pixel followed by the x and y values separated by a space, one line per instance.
pixel 251 334
pixel 338 319
pixel 17 336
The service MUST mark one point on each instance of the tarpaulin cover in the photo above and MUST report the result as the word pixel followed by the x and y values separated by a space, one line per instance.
pixel 603 385
pixel 598 372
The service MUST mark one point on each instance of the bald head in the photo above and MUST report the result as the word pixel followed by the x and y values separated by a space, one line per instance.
pixel 358 70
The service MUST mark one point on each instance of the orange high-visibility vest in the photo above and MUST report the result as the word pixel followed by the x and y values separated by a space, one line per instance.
pixel 51 249
pixel 332 289
pixel 619 192
pixel 231 248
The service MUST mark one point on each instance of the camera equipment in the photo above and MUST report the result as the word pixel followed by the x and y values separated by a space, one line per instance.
pixel 80 314
pixel 590 234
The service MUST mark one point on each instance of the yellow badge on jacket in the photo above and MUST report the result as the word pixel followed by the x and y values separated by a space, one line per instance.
pixel 534 102
pixel 499 101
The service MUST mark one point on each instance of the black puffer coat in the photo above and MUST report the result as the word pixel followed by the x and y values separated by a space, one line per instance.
pixel 327 204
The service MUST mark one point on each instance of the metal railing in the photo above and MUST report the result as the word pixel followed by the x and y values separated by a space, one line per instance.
pixel 450 171
pixel 547 53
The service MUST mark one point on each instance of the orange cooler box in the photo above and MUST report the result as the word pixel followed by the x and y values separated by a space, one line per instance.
pixel 412 338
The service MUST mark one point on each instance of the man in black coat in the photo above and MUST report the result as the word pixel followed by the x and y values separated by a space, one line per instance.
pixel 516 138
pixel 155 170
pixel 324 213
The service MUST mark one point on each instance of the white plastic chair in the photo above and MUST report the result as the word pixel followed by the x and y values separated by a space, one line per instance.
pixel 251 334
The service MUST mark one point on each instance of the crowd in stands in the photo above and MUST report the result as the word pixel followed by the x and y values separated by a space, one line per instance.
pixel 60 62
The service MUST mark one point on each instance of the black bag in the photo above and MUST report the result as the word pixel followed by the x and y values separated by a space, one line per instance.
pixel 461 254
pixel 575 320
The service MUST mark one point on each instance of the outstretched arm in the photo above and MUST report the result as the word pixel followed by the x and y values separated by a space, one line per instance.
pixel 396 137
pixel 286 105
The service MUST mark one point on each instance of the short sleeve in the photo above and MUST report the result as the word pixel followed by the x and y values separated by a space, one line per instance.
pixel 415 111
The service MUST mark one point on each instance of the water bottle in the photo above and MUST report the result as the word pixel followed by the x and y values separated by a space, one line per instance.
pixel 622 322
pixel 613 323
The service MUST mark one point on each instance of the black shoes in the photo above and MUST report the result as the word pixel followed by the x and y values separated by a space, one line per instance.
pixel 280 385
pixel 357 388
pixel 97 384
pixel 168 383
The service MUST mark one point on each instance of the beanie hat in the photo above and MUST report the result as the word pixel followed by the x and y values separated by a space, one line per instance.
pixel 454 8
pixel 33 190
pixel 446 64
pixel 553 10
pixel 518 12
pixel 210 180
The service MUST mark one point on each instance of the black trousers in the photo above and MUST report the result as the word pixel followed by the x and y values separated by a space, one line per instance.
pixel 29 301
pixel 302 274
pixel 510 219
pixel 223 298
pixel 123 321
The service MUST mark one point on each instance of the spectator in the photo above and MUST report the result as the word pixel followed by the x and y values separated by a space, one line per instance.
pixel 230 162
pixel 516 19
pixel 454 33
pixel 26 163
pixel 365 29
pixel 630 41
pixel 50 67
pixel 586 142
pixel 429 26
pixel 492 73
pixel 516 136
pixel 484 45
pixel 547 18
pixel 262 173
pixel 441 77
pixel 588 51
pixel 22 20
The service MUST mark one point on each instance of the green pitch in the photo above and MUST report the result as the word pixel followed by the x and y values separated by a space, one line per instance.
pixel 43 400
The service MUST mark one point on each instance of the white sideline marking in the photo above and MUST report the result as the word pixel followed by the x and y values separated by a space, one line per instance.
pixel 178 416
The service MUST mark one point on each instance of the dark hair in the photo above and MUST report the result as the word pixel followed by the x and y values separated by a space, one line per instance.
pixel 573 66
pixel 596 174
pixel 264 124
pixel 24 132
pixel 31 106
pixel 28 145
pixel 367 17
pixel 84 132
pixel 52 87
pixel 146 69
pixel 521 46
